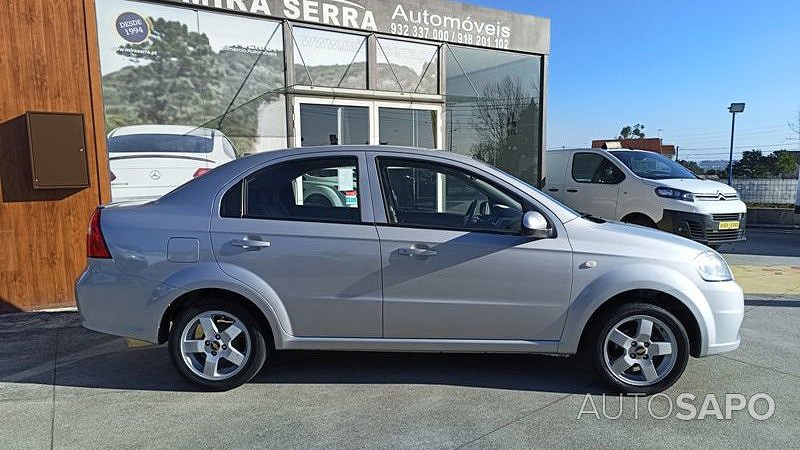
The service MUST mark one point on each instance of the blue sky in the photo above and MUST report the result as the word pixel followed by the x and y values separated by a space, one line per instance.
pixel 673 65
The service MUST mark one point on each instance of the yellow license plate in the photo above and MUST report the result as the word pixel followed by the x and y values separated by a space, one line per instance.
pixel 730 225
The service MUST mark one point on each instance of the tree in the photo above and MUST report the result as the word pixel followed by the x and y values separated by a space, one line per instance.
pixel 785 162
pixel 176 76
pixel 795 127
pixel 632 132
pixel 693 166
pixel 507 114
pixel 754 164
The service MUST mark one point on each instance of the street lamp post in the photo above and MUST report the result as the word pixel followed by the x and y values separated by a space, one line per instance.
pixel 733 109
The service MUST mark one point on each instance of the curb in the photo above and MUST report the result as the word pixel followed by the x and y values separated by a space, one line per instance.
pixel 769 226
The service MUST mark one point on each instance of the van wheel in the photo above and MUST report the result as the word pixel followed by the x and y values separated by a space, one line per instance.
pixel 639 219
pixel 640 348
pixel 217 345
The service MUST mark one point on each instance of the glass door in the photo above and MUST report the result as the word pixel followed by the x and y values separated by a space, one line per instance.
pixel 325 121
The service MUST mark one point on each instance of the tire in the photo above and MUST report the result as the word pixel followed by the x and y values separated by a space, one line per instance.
pixel 318 200
pixel 640 219
pixel 645 371
pixel 210 360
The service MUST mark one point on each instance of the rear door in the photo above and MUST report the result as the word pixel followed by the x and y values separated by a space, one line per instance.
pixel 318 254
pixel 592 185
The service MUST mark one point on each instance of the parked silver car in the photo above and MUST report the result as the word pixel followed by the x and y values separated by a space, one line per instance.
pixel 427 251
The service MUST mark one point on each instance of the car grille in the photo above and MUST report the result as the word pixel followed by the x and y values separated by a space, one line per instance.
pixel 699 233
pixel 724 235
pixel 723 217
pixel 696 229
pixel 715 197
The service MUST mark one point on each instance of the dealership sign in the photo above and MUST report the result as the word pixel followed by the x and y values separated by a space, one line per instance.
pixel 436 20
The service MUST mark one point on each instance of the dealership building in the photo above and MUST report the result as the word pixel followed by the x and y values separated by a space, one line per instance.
pixel 84 79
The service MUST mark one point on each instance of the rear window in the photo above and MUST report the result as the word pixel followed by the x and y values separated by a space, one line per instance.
pixel 160 143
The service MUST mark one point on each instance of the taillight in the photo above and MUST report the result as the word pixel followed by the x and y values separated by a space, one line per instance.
pixel 95 242
pixel 200 172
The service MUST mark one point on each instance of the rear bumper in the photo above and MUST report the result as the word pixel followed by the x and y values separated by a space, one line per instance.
pixel 703 228
pixel 114 303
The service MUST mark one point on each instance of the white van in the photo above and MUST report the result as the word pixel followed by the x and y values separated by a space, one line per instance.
pixel 797 199
pixel 645 188
pixel 147 161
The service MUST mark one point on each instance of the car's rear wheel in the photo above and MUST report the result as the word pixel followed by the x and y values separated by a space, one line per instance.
pixel 640 348
pixel 217 345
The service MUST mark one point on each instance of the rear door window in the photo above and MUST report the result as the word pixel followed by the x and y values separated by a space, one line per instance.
pixel 318 190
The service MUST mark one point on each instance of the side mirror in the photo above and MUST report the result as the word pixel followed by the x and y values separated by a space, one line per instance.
pixel 535 225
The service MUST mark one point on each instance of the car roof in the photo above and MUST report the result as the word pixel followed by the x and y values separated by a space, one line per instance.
pixel 610 150
pixel 425 152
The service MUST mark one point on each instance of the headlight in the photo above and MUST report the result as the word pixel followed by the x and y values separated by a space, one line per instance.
pixel 712 267
pixel 677 194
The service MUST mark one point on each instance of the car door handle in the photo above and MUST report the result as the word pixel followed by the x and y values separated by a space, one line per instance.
pixel 417 251
pixel 553 189
pixel 248 243
pixel 572 190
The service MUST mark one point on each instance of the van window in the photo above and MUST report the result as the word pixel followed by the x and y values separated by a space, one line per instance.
pixel 595 168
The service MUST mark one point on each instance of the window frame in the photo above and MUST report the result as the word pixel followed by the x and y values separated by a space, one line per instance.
pixel 417 162
pixel 572 169
pixel 240 184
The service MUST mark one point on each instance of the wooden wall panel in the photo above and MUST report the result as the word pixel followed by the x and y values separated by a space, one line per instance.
pixel 48 62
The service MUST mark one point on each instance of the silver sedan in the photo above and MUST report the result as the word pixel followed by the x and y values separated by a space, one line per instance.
pixel 397 249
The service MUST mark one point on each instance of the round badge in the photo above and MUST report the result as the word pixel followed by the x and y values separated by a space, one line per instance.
pixel 133 28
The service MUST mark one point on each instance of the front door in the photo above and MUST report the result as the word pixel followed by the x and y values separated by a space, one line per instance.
pixel 327 121
pixel 592 185
pixel 299 232
pixel 455 265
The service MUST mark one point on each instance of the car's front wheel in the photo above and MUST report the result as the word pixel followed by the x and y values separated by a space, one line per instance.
pixel 217 344
pixel 640 348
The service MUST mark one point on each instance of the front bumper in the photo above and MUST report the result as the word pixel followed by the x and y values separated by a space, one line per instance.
pixel 703 228
pixel 726 301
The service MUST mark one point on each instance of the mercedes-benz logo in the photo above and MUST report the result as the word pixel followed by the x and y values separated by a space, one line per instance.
pixel 155 174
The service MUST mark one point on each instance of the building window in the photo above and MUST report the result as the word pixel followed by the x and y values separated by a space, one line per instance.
pixel 329 58
pixel 184 73
pixel 407 127
pixel 407 67
pixel 494 108
pixel 334 125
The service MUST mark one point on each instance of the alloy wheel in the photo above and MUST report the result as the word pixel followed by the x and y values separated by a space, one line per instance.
pixel 215 345
pixel 639 350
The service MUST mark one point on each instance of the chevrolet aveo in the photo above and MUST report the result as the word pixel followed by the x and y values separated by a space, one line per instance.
pixel 423 251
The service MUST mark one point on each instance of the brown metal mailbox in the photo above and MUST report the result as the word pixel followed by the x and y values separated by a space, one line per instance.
pixel 57 145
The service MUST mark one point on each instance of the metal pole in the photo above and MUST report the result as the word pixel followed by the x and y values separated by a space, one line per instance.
pixel 730 160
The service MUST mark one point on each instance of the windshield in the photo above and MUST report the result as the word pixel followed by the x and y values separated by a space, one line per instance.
pixel 160 143
pixel 652 165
